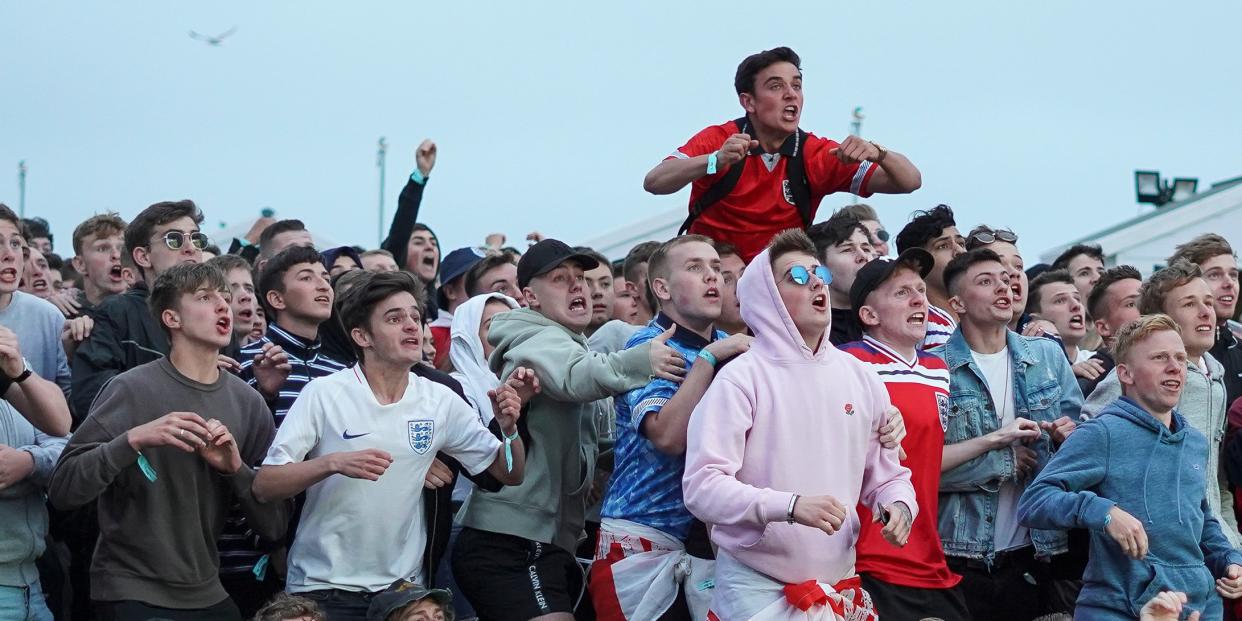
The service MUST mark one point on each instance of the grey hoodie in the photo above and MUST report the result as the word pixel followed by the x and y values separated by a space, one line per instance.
pixel 1203 405
pixel 558 426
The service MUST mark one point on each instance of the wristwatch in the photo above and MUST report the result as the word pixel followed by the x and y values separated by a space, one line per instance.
pixel 26 372
pixel 883 151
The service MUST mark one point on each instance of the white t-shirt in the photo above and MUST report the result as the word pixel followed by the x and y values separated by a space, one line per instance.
pixel 360 535
pixel 998 374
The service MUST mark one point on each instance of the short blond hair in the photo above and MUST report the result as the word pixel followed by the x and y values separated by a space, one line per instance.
pixel 1139 330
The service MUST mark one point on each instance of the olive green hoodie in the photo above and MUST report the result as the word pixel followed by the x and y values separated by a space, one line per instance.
pixel 558 426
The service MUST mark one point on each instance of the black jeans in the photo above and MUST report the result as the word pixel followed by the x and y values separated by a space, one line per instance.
pixel 130 610
pixel 340 605
pixel 1004 590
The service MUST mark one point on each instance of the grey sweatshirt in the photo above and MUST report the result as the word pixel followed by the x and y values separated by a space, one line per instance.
pixel 23 517
pixel 38 325
pixel 1204 407
pixel 158 538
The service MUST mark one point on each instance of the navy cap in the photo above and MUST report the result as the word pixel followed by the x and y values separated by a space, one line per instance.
pixel 546 256
pixel 402 593
pixel 873 274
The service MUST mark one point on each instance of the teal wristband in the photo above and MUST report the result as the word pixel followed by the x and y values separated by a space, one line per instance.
pixel 417 177
pixel 509 449
pixel 707 355
pixel 711 163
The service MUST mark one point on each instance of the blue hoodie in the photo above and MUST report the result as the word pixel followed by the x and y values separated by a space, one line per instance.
pixel 1128 458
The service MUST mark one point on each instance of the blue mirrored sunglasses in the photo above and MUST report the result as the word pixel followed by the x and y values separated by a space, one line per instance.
pixel 801 275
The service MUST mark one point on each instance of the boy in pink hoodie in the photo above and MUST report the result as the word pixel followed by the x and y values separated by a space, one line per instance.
pixel 783 445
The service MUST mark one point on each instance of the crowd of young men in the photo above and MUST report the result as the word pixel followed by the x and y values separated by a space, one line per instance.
pixel 762 419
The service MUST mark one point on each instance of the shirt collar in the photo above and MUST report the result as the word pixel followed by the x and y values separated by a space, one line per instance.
pixel 687 337
pixel 293 344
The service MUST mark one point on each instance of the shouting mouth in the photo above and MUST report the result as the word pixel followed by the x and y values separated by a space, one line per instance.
pixel 789 113
pixel 1077 322
pixel 917 319
pixel 224 325
pixel 577 304
pixel 116 274
pixel 820 302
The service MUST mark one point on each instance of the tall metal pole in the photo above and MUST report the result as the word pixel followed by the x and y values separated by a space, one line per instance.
pixel 21 185
pixel 381 157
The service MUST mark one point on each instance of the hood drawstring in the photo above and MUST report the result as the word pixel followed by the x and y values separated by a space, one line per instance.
pixel 1180 450
pixel 1151 458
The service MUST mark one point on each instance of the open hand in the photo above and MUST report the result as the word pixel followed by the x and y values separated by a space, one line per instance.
pixel 666 363
pixel 1129 533
pixel 271 369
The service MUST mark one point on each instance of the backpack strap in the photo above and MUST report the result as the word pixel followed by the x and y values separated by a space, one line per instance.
pixel 717 190
pixel 799 187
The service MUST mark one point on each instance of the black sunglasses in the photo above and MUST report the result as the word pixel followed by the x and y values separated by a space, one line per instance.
pixel 881 235
pixel 983 238
pixel 176 239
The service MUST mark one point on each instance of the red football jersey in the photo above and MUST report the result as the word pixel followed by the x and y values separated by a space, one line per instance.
pixel 760 205
pixel 920 389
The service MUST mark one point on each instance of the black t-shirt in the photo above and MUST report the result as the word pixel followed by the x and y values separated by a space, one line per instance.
pixel 846 327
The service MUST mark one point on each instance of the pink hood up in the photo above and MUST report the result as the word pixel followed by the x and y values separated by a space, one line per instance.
pixel 782 420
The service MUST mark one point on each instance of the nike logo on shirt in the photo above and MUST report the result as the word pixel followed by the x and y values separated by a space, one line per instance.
pixel 348 436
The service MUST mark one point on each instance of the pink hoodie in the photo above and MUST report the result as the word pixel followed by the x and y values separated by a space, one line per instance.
pixel 782 420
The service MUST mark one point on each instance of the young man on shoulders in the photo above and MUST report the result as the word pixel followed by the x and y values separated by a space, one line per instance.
pixel 782 173
pixel 295 289
pixel 139 461
pixel 514 558
pixel 1112 304
pixel 643 510
pixel 1180 292
pixel 912 582
pixel 936 232
pixel 1004 389
pixel 126 334
pixel 844 246
pixel 776 472
pixel 380 426
pixel 1109 478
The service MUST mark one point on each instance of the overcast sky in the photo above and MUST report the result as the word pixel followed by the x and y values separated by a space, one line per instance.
pixel 1031 115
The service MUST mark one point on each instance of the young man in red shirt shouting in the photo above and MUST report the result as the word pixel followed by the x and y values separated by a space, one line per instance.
pixel 782 173
pixel 890 299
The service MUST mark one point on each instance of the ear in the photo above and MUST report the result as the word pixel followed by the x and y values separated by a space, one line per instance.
pixel 747 101
pixel 171 319
pixel 1101 328
pixel 531 300
pixel 1124 376
pixel 631 286
pixel 659 287
pixel 276 300
pixel 141 257
pixel 957 306
pixel 79 265
pixel 360 337
pixel 868 316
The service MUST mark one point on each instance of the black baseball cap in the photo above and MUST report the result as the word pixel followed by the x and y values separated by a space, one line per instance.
pixel 546 256
pixel 873 274
pixel 402 593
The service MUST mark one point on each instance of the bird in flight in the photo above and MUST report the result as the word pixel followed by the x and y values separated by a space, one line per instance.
pixel 216 40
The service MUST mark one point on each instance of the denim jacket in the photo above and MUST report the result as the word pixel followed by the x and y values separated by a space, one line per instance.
pixel 1045 390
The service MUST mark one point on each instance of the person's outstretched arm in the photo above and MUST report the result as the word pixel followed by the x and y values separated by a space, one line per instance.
pixel 408 203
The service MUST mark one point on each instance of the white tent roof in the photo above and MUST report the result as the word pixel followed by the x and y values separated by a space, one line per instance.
pixel 659 227
pixel 1152 235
